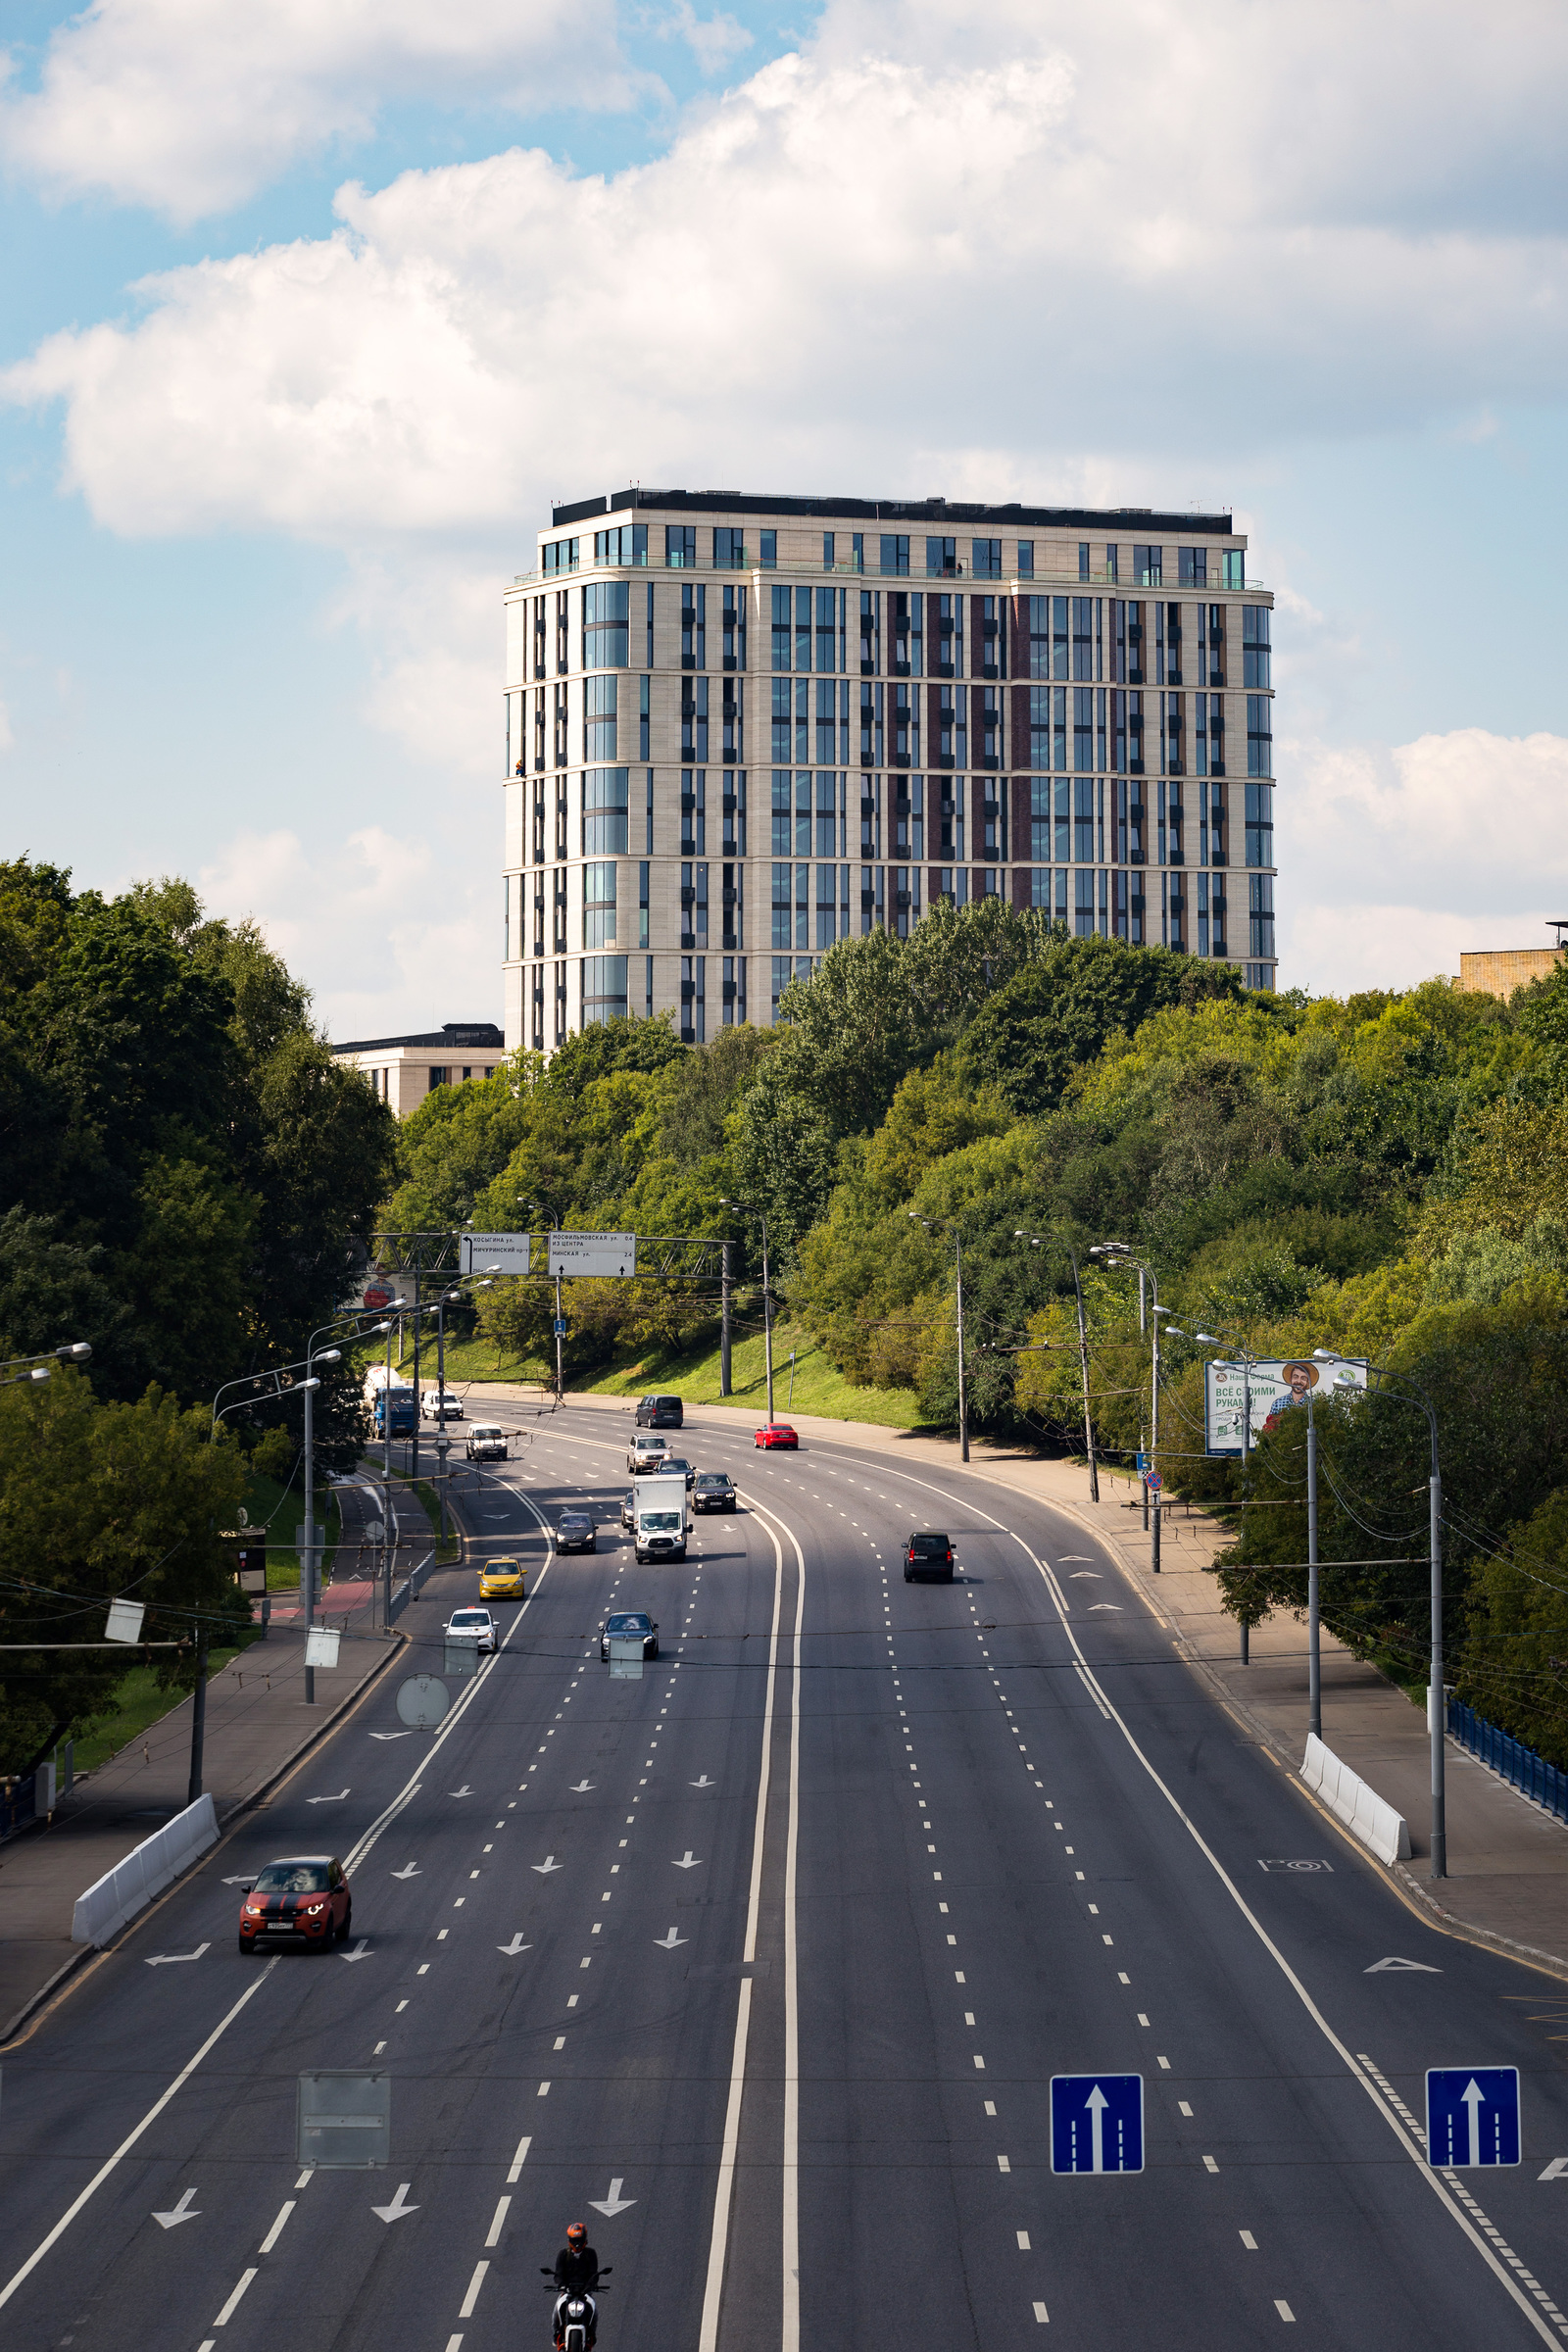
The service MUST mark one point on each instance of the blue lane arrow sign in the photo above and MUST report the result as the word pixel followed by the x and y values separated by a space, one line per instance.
pixel 1096 2123
pixel 1472 2116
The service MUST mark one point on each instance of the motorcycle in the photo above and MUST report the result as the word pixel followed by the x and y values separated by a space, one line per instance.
pixel 577 2313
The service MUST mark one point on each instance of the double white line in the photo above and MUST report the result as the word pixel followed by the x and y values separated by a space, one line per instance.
pixel 724 2194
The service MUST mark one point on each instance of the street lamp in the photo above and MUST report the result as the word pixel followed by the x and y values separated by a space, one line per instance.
pixel 555 1227
pixel 40 1365
pixel 1435 1705
pixel 1035 1242
pixel 750 1208
pixel 1117 1253
pixel 937 1225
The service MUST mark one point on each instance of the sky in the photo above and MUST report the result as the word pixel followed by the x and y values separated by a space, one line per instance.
pixel 309 309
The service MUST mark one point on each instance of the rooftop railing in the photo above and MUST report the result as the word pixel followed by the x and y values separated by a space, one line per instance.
pixel 985 583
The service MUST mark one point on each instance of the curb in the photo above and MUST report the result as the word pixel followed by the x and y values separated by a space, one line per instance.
pixel 58 1983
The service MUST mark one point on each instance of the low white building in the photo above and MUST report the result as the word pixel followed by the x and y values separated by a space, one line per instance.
pixel 403 1070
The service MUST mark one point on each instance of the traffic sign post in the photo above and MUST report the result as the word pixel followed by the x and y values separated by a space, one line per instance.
pixel 1096 2123
pixel 343 2121
pixel 1472 2116
pixel 1154 1481
pixel 494 1252
pixel 601 1253
pixel 423 1701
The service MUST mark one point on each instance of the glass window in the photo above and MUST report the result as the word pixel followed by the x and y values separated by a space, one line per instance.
pixel 604 988
pixel 827 551
pixel 561 554
pixel 1255 646
pixel 1026 559
pixel 896 554
pixel 729 548
pixel 1260 916
pixel 984 559
pixel 781 628
pixel 1259 824
pixel 858 549
pixel 1236 567
pixel 1083 559
pixel 1083 730
pixel 1083 820
pixel 606 798
pixel 1083 644
pixel 606 625
pixel 1148 566
pixel 1192 567
pixel 1110 564
pixel 1260 735
pixel 629 544
pixel 829 627
pixel 599 718
pixel 598 906
pixel 802 814
pixel 1040 824
pixel 680 545
pixel 768 557
pixel 803 907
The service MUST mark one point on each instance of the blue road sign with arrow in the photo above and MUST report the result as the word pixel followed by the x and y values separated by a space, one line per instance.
pixel 1096 2123
pixel 1472 2115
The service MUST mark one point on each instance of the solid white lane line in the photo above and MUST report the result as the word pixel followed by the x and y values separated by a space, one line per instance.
pixel 132 2137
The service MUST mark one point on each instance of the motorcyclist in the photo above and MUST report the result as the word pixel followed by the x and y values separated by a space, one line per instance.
pixel 577 2273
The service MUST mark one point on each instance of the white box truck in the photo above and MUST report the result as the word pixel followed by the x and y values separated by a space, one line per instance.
pixel 660 1530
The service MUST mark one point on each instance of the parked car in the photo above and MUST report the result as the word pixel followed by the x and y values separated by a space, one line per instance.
pixel 440 1405
pixel 472 1625
pixel 628 1510
pixel 645 1453
pixel 305 1899
pixel 675 1465
pixel 485 1443
pixel 715 1491
pixel 503 1580
pixel 576 1531
pixel 660 1412
pixel 626 1626
pixel 928 1556
pixel 777 1432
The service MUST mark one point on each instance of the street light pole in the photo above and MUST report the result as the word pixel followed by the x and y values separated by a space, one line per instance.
pixel 1436 1709
pixel 752 1209
pixel 1315 1660
pixel 933 1225
pixel 1037 1242
pixel 1119 1253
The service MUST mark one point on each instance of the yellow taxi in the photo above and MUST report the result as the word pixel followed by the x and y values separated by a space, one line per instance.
pixel 502 1580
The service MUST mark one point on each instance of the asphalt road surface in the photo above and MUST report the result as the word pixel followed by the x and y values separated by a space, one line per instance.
pixel 762 1965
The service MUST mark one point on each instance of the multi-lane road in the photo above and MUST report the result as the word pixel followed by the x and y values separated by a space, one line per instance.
pixel 762 1965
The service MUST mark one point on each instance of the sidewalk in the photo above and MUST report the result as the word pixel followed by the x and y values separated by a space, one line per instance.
pixel 258 1724
pixel 1507 1859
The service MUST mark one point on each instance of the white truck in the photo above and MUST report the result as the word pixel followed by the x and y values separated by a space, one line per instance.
pixel 660 1530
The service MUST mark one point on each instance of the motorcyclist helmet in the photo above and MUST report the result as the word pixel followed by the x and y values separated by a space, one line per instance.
pixel 576 2236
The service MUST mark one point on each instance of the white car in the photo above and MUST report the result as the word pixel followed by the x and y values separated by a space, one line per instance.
pixel 487 1443
pixel 644 1453
pixel 440 1405
pixel 472 1625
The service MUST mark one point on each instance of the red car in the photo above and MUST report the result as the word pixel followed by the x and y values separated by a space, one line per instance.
pixel 778 1433
pixel 304 1900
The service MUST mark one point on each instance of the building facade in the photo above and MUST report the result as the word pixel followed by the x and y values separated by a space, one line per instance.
pixel 739 729
pixel 403 1070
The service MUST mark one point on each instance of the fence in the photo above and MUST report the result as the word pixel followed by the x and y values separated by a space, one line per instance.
pixel 1543 1783
pixel 18 1804
pixel 411 1587
pixel 145 1872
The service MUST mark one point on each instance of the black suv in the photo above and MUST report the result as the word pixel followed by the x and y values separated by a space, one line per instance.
pixel 660 1412
pixel 928 1556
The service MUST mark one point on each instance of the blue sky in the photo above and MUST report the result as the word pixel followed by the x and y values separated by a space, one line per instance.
pixel 300 340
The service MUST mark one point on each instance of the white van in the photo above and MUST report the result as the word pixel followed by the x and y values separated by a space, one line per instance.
pixel 660 1533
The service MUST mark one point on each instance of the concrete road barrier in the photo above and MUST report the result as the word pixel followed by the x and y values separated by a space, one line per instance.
pixel 1363 1812
pixel 145 1872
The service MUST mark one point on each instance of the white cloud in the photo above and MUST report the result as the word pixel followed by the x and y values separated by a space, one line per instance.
pixel 837 271
pixel 390 936
pixel 712 40
pixel 7 736
pixel 1391 861
pixel 191 105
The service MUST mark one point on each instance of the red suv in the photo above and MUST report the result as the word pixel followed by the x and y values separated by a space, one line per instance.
pixel 928 1556
pixel 305 1900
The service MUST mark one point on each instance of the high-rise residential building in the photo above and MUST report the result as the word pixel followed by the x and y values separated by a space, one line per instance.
pixel 739 729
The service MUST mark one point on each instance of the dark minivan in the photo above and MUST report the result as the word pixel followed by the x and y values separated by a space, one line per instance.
pixel 928 1556
pixel 660 1412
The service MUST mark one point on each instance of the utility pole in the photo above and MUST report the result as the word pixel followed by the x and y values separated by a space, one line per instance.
pixel 1314 1662
pixel 198 1716
pixel 724 1323
pixel 963 1402
pixel 561 1317
pixel 308 1561
pixel 1083 1365
pixel 1119 1253
pixel 761 1214
pixel 419 1402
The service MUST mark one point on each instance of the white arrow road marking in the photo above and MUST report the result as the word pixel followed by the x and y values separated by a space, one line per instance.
pixel 1554 2169
pixel 182 2212
pixel 704 1783
pixel 613 2204
pixel 327 1800
pixel 164 1959
pixel 581 1787
pixel 1081 1576
pixel 391 1734
pixel 668 1943
pixel 240 1881
pixel 410 1869
pixel 549 1864
pixel 1474 2097
pixel 688 1861
pixel 516 1947
pixel 398 2209
pixel 1104 1604
pixel 1097 2103
pixel 1068 1557
pixel 1393 1966
pixel 465 1790
pixel 359 1952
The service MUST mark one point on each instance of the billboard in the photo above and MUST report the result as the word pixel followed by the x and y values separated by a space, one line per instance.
pixel 1275 1386
pixel 592 1254
pixel 506 1252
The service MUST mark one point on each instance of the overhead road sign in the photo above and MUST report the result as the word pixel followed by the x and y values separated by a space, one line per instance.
pixel 1096 2123
pixel 1472 2116
pixel 493 1252
pixel 601 1253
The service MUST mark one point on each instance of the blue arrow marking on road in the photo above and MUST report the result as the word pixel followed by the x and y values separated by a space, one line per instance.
pixel 1472 2116
pixel 1096 2123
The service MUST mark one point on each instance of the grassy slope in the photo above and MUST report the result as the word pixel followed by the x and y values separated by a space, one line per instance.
pixel 138 1704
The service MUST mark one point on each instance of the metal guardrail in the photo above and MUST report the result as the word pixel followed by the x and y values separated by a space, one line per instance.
pixel 411 1587
pixel 1531 1774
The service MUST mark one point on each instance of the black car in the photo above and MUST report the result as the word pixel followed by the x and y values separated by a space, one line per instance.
pixel 673 1466
pixel 928 1556
pixel 575 1530
pixel 715 1491
pixel 660 1412
pixel 628 1509
pixel 625 1628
